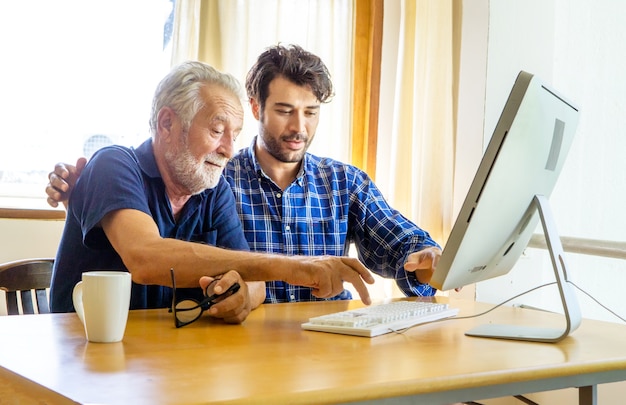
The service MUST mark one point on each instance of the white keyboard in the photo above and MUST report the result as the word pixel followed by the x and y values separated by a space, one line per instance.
pixel 380 319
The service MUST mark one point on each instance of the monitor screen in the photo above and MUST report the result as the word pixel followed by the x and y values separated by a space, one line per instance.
pixel 522 160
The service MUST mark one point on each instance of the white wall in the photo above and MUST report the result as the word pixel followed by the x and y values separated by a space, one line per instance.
pixel 22 239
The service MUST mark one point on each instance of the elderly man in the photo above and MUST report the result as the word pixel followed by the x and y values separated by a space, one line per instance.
pixel 165 205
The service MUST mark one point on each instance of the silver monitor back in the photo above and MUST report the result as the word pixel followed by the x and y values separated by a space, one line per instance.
pixel 523 158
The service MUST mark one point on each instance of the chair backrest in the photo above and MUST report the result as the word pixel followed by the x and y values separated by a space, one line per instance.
pixel 27 279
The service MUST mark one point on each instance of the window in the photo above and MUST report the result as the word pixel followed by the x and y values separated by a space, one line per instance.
pixel 75 76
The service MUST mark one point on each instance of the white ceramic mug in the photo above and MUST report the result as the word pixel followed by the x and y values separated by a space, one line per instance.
pixel 102 300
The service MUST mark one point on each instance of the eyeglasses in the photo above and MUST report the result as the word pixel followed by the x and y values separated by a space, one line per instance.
pixel 188 310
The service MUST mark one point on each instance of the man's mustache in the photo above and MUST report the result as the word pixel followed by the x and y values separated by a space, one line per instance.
pixel 296 138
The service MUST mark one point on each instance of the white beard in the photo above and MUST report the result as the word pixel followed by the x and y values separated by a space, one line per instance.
pixel 193 175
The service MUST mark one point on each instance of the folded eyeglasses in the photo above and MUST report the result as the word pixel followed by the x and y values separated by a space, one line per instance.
pixel 189 310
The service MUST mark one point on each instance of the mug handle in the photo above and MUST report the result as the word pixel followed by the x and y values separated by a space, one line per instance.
pixel 77 298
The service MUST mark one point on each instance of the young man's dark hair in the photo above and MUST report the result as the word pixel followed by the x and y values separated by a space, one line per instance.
pixel 293 63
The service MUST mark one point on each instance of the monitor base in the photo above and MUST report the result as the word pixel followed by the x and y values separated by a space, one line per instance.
pixel 568 297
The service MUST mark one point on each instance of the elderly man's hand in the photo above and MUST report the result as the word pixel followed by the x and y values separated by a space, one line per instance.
pixel 234 308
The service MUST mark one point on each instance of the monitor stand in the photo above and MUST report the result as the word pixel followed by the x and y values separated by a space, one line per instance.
pixel 568 296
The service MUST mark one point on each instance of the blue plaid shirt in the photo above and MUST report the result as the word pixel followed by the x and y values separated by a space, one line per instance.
pixel 328 206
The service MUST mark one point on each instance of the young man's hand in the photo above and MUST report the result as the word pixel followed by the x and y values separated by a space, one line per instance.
pixel 62 181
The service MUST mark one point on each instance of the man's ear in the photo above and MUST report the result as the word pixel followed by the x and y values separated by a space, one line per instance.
pixel 256 108
pixel 165 123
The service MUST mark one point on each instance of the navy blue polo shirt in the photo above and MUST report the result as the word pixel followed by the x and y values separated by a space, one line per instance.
pixel 116 178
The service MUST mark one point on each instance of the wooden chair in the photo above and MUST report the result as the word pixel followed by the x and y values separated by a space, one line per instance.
pixel 26 278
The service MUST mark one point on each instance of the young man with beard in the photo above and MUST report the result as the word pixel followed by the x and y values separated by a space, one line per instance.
pixel 293 202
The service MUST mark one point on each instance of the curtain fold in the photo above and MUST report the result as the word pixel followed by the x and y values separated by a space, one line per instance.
pixel 367 50
pixel 186 31
pixel 196 32
pixel 416 166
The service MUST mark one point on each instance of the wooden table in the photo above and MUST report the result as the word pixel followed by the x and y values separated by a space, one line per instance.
pixel 269 359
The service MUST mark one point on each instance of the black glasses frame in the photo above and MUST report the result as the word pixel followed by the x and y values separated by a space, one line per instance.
pixel 194 305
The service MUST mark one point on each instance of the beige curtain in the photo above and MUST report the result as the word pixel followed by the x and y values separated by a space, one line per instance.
pixel 196 33
pixel 186 31
pixel 415 157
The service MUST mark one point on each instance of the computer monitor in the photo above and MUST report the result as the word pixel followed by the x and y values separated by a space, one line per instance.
pixel 509 196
